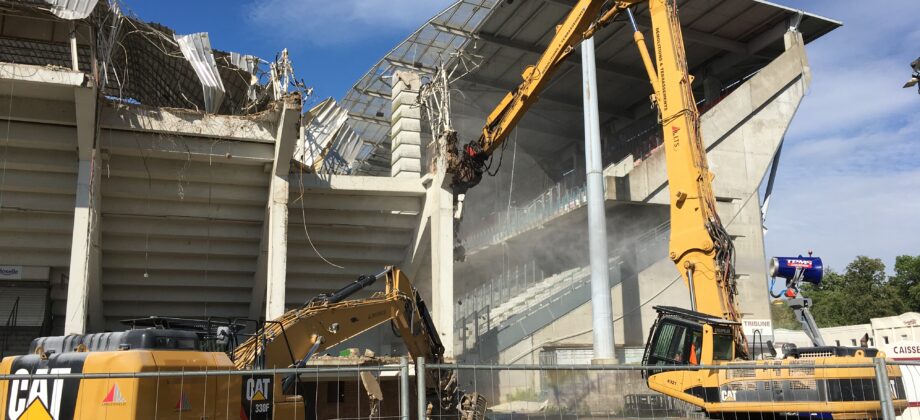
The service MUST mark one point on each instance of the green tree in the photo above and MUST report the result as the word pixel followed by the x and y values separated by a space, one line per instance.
pixel 906 280
pixel 855 296
pixel 783 317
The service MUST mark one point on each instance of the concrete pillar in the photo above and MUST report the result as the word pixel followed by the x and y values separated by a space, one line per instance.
pixel 84 301
pixel 406 126
pixel 442 260
pixel 257 304
pixel 792 38
pixel 275 233
pixel 601 304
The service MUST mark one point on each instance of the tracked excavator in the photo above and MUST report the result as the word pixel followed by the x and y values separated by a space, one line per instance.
pixel 173 345
pixel 709 333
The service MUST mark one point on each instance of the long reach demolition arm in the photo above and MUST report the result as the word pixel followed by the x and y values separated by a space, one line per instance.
pixel 699 245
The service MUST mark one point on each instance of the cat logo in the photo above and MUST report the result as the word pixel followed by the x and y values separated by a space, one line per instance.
pixel 113 397
pixel 729 395
pixel 183 404
pixel 36 398
pixel 257 397
pixel 258 389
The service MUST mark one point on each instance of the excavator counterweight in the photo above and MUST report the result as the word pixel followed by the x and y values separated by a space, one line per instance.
pixel 169 345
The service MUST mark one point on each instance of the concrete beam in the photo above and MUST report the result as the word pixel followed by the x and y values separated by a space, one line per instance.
pixel 360 236
pixel 530 125
pixel 198 149
pixel 359 185
pixel 51 77
pixel 355 201
pixel 39 136
pixel 277 212
pixel 84 302
pixel 700 37
pixel 180 227
pixel 172 122
pixel 752 47
pixel 574 58
pixel 177 210
pixel 608 109
pixel 37 110
pixel 373 218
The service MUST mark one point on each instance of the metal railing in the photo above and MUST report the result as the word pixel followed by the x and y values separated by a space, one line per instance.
pixel 564 391
pixel 525 287
pixel 559 199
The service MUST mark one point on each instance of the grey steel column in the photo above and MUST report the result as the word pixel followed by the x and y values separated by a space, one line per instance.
pixel 404 388
pixel 884 390
pixel 597 220
pixel 420 381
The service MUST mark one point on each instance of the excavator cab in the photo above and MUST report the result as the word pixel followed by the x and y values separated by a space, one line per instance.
pixel 684 337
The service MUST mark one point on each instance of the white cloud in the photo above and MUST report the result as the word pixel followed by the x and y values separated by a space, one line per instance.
pixel 337 22
pixel 849 180
pixel 840 217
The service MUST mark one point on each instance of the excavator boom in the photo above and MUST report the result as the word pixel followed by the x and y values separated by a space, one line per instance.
pixel 585 18
pixel 330 319
pixel 327 320
pixel 700 246
pixel 709 333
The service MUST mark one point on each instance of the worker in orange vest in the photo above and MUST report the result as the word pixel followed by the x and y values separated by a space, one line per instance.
pixel 694 349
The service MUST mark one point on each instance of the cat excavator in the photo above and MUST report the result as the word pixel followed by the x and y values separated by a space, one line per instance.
pixel 684 342
pixel 169 346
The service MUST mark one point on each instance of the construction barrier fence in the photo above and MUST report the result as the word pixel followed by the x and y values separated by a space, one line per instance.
pixel 398 391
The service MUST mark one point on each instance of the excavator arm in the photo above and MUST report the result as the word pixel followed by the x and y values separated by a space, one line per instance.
pixel 710 333
pixel 585 18
pixel 700 246
pixel 328 320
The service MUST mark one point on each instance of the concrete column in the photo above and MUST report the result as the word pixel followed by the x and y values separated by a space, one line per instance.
pixel 792 38
pixel 601 304
pixel 442 260
pixel 275 234
pixel 406 126
pixel 257 304
pixel 84 302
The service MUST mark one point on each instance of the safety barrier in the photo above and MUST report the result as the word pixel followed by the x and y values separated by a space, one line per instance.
pixel 573 391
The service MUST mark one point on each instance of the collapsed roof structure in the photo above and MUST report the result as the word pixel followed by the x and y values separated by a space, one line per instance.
pixel 148 64
pixel 147 173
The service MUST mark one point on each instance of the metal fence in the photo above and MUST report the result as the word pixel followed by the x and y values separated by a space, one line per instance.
pixel 511 391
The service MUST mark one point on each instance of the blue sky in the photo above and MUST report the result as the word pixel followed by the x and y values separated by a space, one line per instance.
pixel 849 180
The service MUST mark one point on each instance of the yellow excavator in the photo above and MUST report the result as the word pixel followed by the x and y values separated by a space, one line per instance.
pixel 173 345
pixel 709 333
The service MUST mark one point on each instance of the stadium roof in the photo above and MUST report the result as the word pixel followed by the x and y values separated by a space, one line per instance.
pixel 728 40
